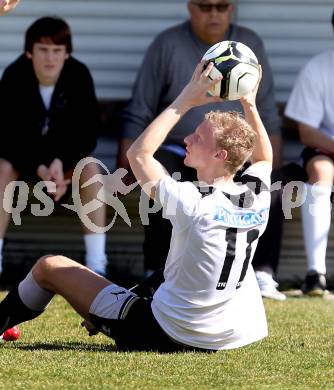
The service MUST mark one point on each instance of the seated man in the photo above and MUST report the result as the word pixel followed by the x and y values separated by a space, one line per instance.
pixel 210 299
pixel 311 105
pixel 49 121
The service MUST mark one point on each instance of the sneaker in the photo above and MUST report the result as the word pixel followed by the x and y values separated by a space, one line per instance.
pixel 314 284
pixel 268 286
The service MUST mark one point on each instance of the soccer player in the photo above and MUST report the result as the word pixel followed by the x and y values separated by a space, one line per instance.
pixel 209 299
pixel 166 68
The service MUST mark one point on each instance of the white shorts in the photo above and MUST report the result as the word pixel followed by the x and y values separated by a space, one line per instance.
pixel 112 303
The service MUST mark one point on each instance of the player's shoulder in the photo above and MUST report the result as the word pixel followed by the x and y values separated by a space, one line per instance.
pixel 168 181
pixel 257 177
pixel 189 193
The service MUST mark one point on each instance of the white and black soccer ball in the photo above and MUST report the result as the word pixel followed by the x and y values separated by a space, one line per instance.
pixel 237 64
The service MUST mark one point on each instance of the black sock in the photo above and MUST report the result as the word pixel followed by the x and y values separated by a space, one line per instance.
pixel 13 311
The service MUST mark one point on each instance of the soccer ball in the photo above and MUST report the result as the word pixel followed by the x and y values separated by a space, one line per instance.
pixel 237 64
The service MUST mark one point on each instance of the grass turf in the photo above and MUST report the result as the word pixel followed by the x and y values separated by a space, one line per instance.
pixel 54 352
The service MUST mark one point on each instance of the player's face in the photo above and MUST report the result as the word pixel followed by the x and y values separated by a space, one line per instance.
pixel 201 147
pixel 48 60
pixel 210 19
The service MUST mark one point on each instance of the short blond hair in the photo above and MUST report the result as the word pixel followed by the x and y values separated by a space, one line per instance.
pixel 234 135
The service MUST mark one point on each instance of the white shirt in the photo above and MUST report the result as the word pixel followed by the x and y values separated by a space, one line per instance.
pixel 46 94
pixel 210 298
pixel 312 99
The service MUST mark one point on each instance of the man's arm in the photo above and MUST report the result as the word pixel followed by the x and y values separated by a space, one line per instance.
pixel 263 149
pixel 144 166
pixel 313 138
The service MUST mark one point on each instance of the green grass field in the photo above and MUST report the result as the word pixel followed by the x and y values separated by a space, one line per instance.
pixel 54 352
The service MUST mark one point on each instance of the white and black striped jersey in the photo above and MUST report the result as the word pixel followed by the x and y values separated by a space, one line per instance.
pixel 210 298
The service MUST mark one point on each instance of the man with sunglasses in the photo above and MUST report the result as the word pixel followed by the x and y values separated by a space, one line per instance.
pixel 167 66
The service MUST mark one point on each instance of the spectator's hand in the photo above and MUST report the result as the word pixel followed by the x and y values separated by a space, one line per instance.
pixel 195 92
pixel 55 174
pixel 250 98
pixel 7 5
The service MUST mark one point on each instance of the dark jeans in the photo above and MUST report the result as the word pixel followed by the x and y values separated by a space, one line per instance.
pixel 267 254
pixel 158 232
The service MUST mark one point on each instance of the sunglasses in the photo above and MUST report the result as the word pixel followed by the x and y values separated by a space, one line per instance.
pixel 203 7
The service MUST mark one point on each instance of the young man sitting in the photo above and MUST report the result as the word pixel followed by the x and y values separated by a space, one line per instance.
pixel 50 121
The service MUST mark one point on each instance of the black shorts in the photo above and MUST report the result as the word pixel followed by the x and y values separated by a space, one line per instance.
pixel 127 318
pixel 309 153
pixel 140 331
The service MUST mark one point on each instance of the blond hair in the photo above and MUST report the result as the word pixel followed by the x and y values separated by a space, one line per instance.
pixel 234 135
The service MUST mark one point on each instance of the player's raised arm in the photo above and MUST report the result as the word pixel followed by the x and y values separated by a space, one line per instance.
pixel 263 150
pixel 144 166
pixel 7 5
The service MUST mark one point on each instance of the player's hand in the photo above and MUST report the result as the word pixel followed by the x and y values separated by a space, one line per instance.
pixel 250 98
pixel 195 92
pixel 7 5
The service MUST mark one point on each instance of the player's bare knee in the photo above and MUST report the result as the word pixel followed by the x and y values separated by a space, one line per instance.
pixel 45 266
